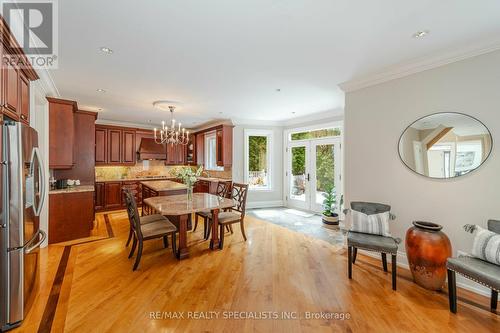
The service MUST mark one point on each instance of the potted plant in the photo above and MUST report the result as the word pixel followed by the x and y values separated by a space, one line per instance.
pixel 329 204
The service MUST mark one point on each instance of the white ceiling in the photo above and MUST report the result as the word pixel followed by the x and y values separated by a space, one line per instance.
pixel 226 58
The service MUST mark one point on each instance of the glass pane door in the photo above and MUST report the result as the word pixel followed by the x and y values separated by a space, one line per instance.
pixel 325 171
pixel 298 171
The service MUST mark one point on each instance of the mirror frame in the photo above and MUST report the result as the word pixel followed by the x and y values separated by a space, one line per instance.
pixel 436 113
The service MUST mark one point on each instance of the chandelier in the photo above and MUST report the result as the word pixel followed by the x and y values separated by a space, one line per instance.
pixel 175 135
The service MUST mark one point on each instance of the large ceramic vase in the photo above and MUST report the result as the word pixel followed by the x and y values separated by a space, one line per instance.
pixel 427 249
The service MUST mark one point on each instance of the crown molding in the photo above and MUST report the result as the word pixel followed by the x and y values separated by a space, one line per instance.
pixel 416 66
pixel 123 124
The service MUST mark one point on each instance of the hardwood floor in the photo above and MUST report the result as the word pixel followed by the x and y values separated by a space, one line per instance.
pixel 90 287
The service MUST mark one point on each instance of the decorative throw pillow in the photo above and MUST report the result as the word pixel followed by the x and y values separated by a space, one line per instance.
pixel 486 244
pixel 377 224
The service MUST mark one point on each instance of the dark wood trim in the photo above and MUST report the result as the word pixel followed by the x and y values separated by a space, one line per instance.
pixel 109 229
pixel 211 129
pixel 90 113
pixel 63 101
pixel 51 307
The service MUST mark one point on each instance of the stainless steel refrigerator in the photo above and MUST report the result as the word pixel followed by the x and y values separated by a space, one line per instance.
pixel 22 196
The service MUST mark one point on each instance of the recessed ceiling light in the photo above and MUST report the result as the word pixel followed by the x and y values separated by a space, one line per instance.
pixel 99 109
pixel 293 112
pixel 278 90
pixel 220 112
pixel 101 90
pixel 106 50
pixel 420 34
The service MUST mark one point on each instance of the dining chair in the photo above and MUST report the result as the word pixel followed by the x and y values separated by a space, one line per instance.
pixel 236 214
pixel 223 191
pixel 480 271
pixel 370 242
pixel 160 228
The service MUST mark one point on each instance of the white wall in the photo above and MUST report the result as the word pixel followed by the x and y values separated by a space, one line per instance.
pixel 260 198
pixel 375 118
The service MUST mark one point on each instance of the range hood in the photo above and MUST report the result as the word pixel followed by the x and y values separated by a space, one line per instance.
pixel 150 150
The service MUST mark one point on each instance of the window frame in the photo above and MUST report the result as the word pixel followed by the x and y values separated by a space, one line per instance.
pixel 269 134
pixel 209 136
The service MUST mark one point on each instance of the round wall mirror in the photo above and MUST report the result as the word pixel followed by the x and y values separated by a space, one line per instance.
pixel 445 145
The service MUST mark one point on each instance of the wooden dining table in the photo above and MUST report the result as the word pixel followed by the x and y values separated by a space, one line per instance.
pixel 181 206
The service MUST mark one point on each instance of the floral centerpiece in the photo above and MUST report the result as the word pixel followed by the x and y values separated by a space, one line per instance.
pixel 189 177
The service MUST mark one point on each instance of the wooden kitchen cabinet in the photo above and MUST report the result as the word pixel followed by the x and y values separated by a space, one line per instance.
pixel 11 86
pixel 61 133
pixel 14 79
pixel 114 146
pixel 224 146
pixel 200 149
pixel 71 216
pixel 24 99
pixel 171 155
pixel 100 146
pixel 113 195
pixel 99 196
pixel 128 148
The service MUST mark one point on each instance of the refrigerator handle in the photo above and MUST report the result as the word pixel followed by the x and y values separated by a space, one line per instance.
pixel 40 241
pixel 36 154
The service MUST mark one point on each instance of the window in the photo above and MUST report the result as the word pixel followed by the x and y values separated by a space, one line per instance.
pixel 258 163
pixel 315 134
pixel 210 152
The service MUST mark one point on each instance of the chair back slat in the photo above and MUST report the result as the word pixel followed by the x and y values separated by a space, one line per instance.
pixel 370 208
pixel 133 213
pixel 239 196
pixel 224 189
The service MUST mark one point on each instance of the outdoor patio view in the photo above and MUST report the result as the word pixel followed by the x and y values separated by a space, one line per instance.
pixel 324 164
pixel 257 160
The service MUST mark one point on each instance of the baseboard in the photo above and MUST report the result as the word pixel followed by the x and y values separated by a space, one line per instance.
pixel 264 204
pixel 462 282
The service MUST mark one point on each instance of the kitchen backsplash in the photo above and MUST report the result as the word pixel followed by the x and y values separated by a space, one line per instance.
pixel 147 169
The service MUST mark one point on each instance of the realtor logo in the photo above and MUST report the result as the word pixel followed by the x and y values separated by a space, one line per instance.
pixel 34 25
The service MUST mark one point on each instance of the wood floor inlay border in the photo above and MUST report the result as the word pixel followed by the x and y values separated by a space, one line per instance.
pixel 50 309
pixel 55 291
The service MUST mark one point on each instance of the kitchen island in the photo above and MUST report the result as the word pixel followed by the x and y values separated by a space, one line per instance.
pixel 160 188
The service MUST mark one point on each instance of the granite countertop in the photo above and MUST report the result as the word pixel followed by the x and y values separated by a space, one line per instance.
pixel 163 185
pixel 74 189
pixel 181 205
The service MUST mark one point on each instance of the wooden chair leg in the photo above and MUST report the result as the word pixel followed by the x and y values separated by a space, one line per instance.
pixel 231 229
pixel 209 229
pixel 354 254
pixel 132 250
pixel 494 300
pixel 349 260
pixel 130 233
pixel 174 245
pixel 138 258
pixel 452 291
pixel 384 262
pixel 394 271
pixel 205 226
pixel 242 227
pixel 165 241
pixel 196 217
pixel 221 236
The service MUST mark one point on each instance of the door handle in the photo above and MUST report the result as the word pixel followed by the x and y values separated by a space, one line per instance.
pixel 308 178
pixel 36 154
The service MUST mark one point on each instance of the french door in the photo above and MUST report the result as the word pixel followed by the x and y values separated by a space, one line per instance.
pixel 313 167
